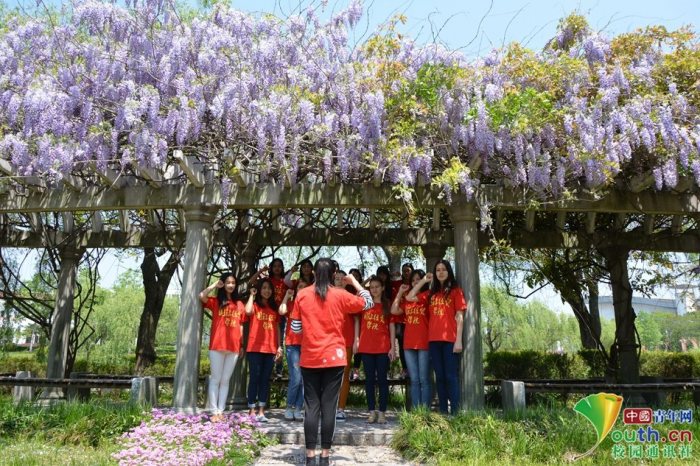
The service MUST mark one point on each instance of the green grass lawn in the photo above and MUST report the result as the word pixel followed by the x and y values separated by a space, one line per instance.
pixel 35 452
pixel 87 433
pixel 541 436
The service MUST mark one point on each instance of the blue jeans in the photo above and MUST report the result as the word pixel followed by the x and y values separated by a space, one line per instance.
pixel 260 369
pixel 446 366
pixel 418 365
pixel 295 389
pixel 376 369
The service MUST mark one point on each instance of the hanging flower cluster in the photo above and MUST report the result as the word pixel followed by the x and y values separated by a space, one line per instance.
pixel 125 86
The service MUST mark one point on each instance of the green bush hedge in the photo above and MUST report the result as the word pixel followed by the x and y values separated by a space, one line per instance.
pixel 23 362
pixel 589 363
pixel 535 365
pixel 670 365
pixel 164 366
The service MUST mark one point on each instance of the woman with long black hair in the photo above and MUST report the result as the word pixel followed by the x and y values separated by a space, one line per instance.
pixel 319 313
pixel 377 347
pixel 263 344
pixel 227 317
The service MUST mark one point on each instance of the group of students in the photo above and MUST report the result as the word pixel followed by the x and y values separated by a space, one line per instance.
pixel 322 317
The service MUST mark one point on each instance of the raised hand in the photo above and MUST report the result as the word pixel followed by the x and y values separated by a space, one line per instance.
pixel 404 288
pixel 219 284
pixel 349 279
pixel 253 292
pixel 428 277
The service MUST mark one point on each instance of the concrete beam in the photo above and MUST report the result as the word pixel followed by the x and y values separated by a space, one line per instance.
pixel 319 195
pixel 638 240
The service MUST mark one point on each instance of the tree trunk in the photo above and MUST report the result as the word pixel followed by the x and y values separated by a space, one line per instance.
pixel 586 331
pixel 594 309
pixel 155 285
pixel 393 255
pixel 624 351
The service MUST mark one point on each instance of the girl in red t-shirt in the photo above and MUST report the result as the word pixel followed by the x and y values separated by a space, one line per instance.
pixel 295 388
pixel 377 347
pixel 446 307
pixel 263 344
pixel 227 317
pixel 319 312
pixel 415 340
pixel 351 329
pixel 306 274
pixel 275 273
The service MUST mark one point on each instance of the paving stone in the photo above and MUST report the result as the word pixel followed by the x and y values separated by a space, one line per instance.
pixel 353 431
pixel 341 455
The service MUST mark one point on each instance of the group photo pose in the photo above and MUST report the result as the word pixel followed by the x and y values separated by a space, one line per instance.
pixel 319 324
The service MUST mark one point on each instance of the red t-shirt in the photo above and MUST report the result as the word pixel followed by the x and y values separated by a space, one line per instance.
pixel 442 310
pixel 291 338
pixel 322 322
pixel 349 330
pixel 262 335
pixel 395 285
pixel 225 325
pixel 375 337
pixel 415 316
pixel 280 288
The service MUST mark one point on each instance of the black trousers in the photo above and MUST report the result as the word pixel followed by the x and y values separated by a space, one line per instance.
pixel 321 390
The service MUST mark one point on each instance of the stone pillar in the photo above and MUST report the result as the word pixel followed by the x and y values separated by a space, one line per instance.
pixel 513 395
pixel 189 328
pixel 144 391
pixel 464 218
pixel 62 319
pixel 432 253
pixel 23 394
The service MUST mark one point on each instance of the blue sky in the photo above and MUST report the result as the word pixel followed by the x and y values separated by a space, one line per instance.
pixel 477 26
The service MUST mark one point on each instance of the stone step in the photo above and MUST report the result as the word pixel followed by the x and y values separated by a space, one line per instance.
pixel 341 455
pixel 354 431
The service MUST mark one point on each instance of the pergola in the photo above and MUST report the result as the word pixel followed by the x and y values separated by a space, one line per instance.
pixel 181 204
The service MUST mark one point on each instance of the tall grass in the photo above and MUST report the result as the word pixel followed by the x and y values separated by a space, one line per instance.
pixel 540 436
pixel 88 424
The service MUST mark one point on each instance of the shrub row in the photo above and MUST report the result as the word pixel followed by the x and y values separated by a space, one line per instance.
pixel 164 366
pixel 585 364
pixel 498 365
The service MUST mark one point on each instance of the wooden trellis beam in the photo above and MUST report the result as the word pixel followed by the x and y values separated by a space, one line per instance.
pixel 320 195
pixel 530 220
pixel 193 173
pixel 688 241
pixel 590 222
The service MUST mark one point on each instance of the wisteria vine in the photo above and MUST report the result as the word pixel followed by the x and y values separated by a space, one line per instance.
pixel 124 86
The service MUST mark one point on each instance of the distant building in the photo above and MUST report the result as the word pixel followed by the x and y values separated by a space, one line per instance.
pixel 685 301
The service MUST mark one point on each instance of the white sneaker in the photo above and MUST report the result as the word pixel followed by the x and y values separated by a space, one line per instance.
pixel 340 415
pixel 262 418
pixel 298 415
pixel 289 414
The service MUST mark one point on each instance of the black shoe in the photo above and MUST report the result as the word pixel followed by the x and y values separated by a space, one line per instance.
pixel 311 461
pixel 324 461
